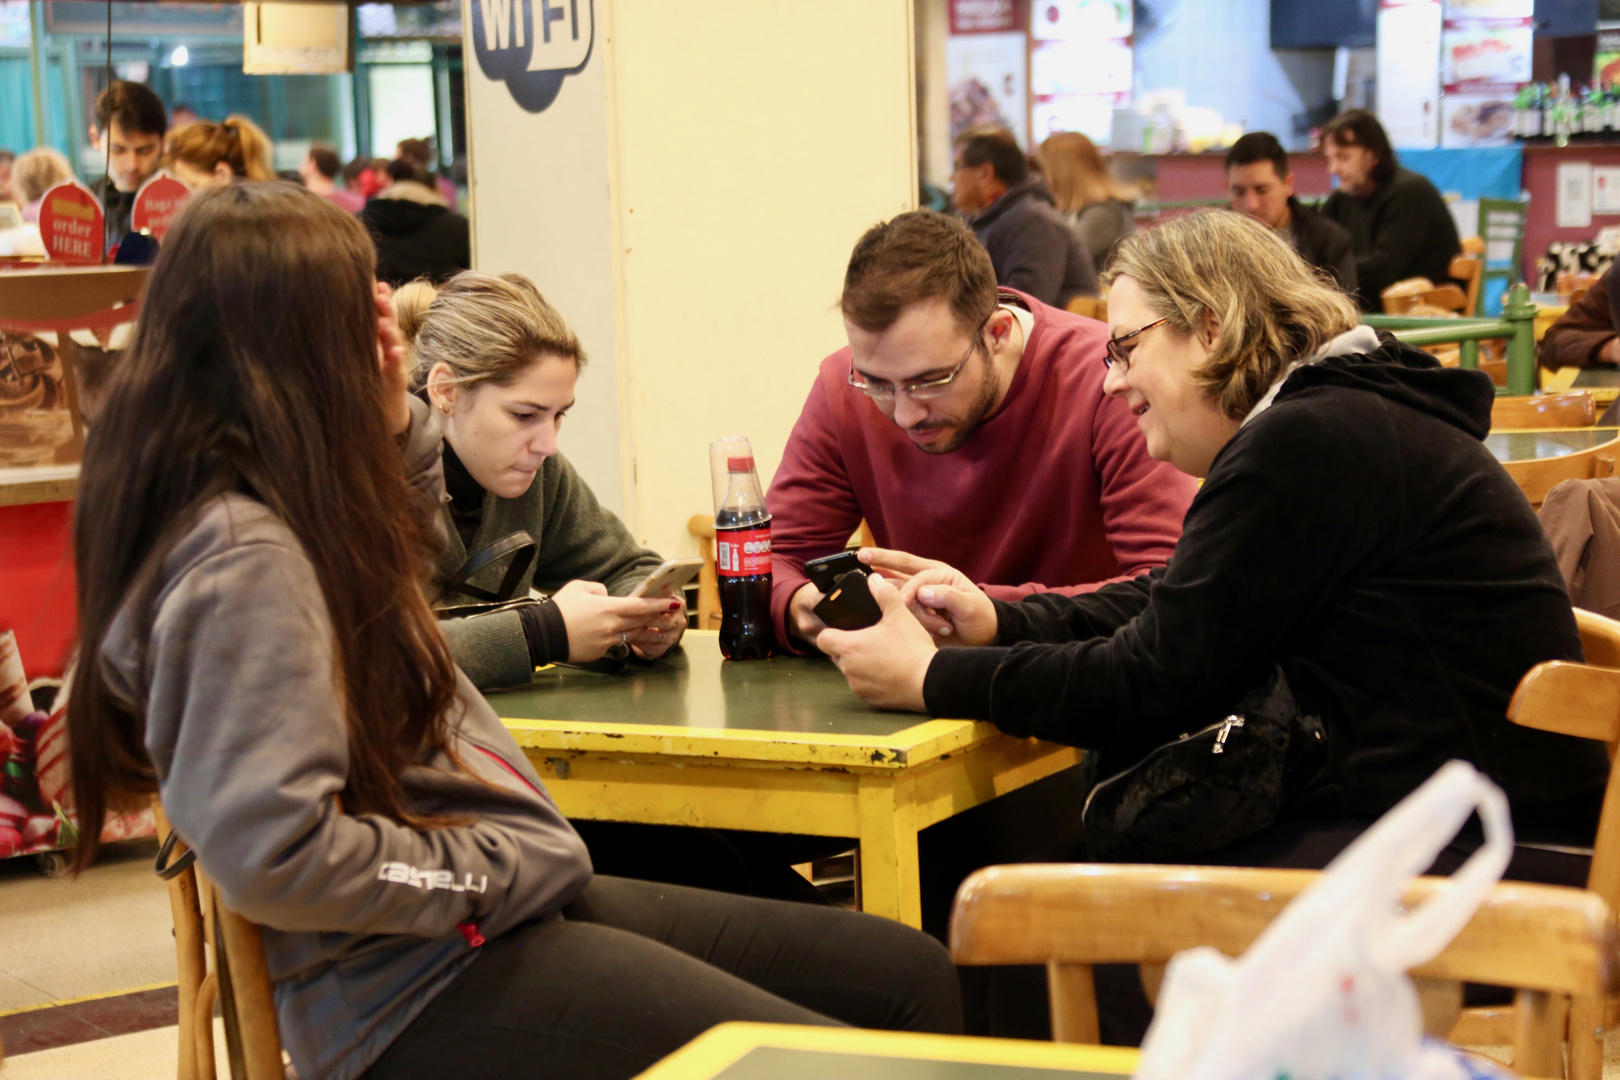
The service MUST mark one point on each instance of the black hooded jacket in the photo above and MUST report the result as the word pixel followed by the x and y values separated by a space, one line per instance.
pixel 417 240
pixel 1356 533
pixel 1032 248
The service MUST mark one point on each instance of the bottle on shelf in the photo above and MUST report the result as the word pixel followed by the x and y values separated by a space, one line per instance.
pixel 742 533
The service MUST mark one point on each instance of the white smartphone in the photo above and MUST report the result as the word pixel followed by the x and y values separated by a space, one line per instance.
pixel 669 578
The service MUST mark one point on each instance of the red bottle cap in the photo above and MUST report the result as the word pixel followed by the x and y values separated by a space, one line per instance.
pixel 740 464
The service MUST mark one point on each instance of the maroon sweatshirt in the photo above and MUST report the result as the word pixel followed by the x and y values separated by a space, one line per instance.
pixel 1055 491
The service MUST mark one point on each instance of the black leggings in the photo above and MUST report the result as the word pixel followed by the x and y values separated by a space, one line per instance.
pixel 635 970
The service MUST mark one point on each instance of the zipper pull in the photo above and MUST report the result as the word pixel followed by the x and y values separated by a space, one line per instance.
pixel 1233 721
pixel 469 930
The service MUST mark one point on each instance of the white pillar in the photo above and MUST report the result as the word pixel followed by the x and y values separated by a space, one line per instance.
pixel 688 200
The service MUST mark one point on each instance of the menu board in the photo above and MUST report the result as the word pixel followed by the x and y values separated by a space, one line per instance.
pixel 1408 66
pixel 1074 20
pixel 1485 58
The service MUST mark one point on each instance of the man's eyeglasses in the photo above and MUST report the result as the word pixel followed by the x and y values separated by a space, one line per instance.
pixel 1117 353
pixel 923 389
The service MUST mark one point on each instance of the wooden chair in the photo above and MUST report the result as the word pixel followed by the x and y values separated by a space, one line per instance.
pixel 1469 268
pixel 1581 700
pixel 1572 408
pixel 702 527
pixel 1092 307
pixel 1537 476
pixel 1403 297
pixel 1543 940
pixel 238 979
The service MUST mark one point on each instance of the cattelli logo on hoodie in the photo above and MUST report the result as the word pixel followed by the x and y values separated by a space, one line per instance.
pixel 533 45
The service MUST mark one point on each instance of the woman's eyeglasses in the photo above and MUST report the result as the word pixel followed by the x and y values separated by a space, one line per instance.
pixel 1117 353
pixel 923 389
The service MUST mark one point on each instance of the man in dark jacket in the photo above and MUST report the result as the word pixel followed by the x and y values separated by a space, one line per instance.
pixel 417 235
pixel 1262 187
pixel 1031 247
pixel 1397 220
pixel 128 134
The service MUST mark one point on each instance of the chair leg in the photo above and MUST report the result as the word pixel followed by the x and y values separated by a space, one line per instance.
pixel 202 1025
pixel 1586 1026
pixel 1074 1003
pixel 1538 1038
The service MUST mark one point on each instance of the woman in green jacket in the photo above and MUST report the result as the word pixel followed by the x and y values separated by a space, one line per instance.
pixel 499 365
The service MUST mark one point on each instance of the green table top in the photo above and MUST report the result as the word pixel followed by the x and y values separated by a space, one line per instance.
pixel 1529 445
pixel 695 687
pixel 777 1063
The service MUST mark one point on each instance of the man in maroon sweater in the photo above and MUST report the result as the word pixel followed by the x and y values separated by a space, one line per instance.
pixel 964 424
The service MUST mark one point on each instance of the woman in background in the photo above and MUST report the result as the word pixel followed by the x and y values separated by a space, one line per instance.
pixel 1097 206
pixel 204 154
pixel 35 173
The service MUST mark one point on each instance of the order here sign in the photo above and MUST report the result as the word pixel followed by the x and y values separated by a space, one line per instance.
pixel 70 224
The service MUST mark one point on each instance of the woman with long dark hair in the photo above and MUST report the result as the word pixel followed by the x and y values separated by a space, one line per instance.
pixel 255 647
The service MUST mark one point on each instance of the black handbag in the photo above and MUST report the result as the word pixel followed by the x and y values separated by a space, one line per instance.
pixel 1211 787
pixel 519 546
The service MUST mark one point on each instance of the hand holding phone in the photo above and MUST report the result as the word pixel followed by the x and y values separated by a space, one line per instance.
pixel 825 571
pixel 850 605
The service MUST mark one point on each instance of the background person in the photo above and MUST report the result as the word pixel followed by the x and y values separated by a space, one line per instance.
pixel 1262 186
pixel 1098 207
pixel 1397 221
pixel 7 160
pixel 416 232
pixel 204 154
pixel 128 135
pixel 35 173
pixel 499 366
pixel 1031 247
pixel 319 171
pixel 256 648
pixel 1585 334
pixel 419 152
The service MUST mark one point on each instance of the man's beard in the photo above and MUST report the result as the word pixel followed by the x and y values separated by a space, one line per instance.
pixel 989 387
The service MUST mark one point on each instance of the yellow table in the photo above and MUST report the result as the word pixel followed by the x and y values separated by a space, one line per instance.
pixel 779 746
pixel 789 1052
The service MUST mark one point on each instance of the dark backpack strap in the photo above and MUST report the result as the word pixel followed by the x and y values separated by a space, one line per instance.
pixel 519 545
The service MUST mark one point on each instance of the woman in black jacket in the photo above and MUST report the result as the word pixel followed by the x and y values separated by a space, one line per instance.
pixel 1352 531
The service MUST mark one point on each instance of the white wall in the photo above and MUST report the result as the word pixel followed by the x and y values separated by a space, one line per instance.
pixel 689 203
pixel 1219 52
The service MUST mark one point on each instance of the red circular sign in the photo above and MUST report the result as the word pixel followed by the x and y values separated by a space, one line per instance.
pixel 156 205
pixel 70 224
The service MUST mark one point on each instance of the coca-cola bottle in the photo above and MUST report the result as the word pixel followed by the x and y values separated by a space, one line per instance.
pixel 742 532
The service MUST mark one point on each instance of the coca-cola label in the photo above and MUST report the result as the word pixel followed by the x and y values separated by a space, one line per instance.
pixel 743 552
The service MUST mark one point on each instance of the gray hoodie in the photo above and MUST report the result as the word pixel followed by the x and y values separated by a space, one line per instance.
pixel 365 919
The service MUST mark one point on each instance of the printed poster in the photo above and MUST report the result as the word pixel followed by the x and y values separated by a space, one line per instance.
pixel 985 73
pixel 1077 20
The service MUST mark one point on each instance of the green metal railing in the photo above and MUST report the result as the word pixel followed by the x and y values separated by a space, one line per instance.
pixel 1517 327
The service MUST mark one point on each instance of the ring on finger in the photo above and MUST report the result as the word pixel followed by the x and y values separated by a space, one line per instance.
pixel 624 638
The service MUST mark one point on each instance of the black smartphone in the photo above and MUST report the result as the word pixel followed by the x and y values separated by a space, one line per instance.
pixel 825 571
pixel 850 605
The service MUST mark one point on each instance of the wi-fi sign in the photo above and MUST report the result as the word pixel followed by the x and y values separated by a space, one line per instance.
pixel 532 45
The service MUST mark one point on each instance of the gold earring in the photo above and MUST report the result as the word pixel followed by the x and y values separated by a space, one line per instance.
pixel 445 409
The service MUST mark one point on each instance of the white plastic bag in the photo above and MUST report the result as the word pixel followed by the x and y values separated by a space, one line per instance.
pixel 1322 994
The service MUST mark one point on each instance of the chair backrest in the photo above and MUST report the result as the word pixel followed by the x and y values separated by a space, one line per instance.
pixel 1541 940
pixel 708 613
pixel 1092 307
pixel 238 977
pixel 1537 476
pixel 1467 268
pixel 1571 408
pixel 1501 226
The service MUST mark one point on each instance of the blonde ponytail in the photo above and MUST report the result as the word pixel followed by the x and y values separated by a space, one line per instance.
pixel 238 142
pixel 483 327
